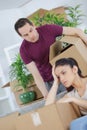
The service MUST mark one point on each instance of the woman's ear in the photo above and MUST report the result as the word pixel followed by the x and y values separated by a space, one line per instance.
pixel 75 69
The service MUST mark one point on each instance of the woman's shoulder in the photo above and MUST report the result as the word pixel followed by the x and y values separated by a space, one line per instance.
pixel 71 93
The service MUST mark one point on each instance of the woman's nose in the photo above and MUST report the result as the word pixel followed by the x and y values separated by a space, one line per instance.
pixel 61 78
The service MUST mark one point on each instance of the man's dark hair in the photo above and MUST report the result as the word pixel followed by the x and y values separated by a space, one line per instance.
pixel 20 23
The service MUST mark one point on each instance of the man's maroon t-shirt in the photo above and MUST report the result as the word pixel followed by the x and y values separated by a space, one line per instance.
pixel 39 51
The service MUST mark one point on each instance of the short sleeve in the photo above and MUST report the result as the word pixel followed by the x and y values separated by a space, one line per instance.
pixel 56 30
pixel 25 57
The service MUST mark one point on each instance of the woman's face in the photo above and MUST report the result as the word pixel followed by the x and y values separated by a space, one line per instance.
pixel 66 75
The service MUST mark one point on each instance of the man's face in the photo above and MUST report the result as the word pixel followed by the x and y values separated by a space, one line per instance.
pixel 29 33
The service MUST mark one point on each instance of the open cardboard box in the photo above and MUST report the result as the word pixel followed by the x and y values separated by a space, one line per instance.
pixel 55 116
pixel 19 90
pixel 76 50
pixel 59 10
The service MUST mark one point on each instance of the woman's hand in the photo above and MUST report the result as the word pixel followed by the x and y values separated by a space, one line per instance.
pixel 52 93
pixel 66 99
pixel 54 75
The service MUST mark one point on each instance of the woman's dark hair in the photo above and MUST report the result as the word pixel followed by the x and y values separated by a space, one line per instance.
pixel 20 23
pixel 71 62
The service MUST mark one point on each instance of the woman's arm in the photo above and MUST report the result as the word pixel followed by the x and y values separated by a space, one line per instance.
pixel 75 31
pixel 79 102
pixel 52 93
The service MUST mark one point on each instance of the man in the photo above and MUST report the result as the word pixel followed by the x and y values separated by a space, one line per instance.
pixel 35 47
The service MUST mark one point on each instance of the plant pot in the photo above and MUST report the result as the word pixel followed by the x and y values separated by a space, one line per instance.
pixel 27 97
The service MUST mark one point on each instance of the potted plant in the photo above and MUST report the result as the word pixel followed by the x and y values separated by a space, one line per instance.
pixel 74 15
pixel 19 72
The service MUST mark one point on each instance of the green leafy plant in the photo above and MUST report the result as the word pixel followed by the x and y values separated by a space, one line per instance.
pixel 85 31
pixel 74 15
pixel 48 18
pixel 19 72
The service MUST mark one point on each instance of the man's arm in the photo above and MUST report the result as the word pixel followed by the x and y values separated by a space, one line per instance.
pixel 75 31
pixel 37 77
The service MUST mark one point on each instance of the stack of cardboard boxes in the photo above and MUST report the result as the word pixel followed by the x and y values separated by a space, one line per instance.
pixel 55 116
pixel 76 49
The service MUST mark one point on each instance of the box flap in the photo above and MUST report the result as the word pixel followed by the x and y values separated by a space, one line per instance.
pixel 45 118
pixel 71 39
pixel 80 45
pixel 52 117
pixel 66 111
pixel 55 49
pixel 74 41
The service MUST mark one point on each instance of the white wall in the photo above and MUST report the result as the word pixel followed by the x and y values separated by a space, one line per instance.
pixel 8 35
pixel 37 4
pixel 49 4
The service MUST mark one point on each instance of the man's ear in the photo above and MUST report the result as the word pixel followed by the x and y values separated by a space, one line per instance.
pixel 75 69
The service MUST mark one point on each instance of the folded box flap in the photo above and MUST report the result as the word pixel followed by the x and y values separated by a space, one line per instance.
pixel 71 39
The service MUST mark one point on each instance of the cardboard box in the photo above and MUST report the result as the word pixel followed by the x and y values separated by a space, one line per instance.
pixel 59 10
pixel 52 117
pixel 67 113
pixel 8 122
pixel 19 90
pixel 41 13
pixel 76 50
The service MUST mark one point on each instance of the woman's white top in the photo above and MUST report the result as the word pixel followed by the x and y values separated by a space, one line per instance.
pixel 74 93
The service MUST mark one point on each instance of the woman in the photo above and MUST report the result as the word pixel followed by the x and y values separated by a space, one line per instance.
pixel 67 71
